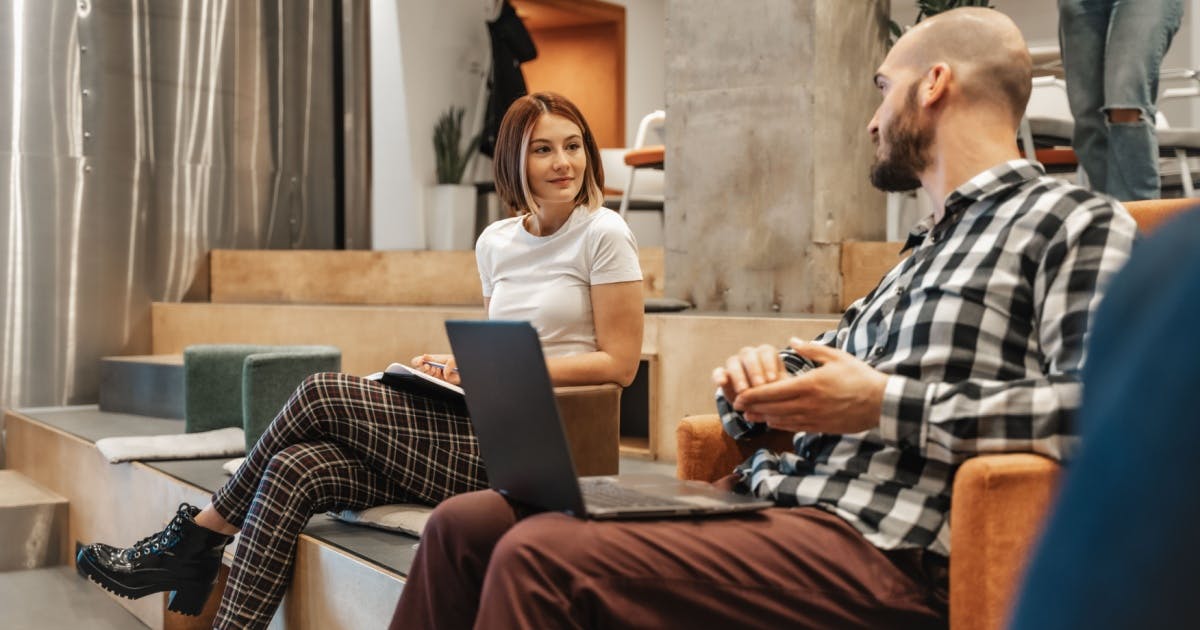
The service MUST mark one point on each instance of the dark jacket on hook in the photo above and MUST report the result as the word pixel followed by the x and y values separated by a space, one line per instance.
pixel 511 46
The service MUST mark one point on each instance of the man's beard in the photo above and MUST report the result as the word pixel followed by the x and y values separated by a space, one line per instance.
pixel 908 146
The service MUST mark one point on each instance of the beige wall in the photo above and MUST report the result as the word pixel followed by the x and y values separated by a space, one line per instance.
pixel 583 64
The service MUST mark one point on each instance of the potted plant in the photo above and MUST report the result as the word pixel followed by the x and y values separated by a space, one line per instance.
pixel 930 8
pixel 451 205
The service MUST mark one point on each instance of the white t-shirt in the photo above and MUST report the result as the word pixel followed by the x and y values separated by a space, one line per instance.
pixel 546 280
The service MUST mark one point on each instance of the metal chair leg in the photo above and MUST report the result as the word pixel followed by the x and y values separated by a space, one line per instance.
pixel 1185 173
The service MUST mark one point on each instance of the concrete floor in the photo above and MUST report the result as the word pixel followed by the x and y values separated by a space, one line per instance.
pixel 631 465
pixel 58 598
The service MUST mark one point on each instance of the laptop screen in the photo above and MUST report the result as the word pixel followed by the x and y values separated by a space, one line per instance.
pixel 514 413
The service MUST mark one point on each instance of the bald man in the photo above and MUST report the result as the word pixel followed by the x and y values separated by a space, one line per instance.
pixel 972 344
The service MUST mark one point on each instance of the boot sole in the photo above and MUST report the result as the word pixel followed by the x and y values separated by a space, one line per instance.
pixel 184 590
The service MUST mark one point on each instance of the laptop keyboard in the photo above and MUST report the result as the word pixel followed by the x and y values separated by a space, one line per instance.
pixel 610 495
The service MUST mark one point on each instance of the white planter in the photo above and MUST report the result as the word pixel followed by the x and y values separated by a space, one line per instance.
pixel 450 217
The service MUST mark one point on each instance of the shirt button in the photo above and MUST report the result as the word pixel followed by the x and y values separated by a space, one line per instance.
pixel 878 352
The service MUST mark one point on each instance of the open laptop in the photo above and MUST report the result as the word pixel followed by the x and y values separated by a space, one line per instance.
pixel 521 436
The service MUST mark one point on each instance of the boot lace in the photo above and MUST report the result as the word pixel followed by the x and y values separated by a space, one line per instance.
pixel 159 541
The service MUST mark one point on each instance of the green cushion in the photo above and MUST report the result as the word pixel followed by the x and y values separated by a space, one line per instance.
pixel 245 386
pixel 212 385
pixel 269 378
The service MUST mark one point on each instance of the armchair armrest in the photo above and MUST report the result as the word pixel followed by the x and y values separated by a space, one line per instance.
pixel 999 505
pixel 706 453
pixel 591 416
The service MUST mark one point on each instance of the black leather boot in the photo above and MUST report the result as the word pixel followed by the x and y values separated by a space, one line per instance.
pixel 183 558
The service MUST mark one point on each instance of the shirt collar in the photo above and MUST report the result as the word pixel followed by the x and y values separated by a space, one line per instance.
pixel 991 182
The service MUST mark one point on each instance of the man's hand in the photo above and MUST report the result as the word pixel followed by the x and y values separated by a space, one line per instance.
pixel 429 364
pixel 750 367
pixel 843 395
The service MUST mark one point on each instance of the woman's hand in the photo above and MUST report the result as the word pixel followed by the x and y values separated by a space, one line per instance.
pixel 441 366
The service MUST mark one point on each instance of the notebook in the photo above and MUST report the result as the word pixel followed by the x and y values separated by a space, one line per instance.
pixel 520 433
pixel 402 377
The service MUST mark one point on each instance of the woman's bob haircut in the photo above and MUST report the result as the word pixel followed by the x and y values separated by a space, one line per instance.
pixel 512 148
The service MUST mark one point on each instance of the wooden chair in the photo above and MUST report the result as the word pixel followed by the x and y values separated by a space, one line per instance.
pixel 591 416
pixel 999 500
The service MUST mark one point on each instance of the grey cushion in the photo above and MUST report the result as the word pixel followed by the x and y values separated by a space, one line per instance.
pixel 1059 130
pixel 405 518
pixel 666 305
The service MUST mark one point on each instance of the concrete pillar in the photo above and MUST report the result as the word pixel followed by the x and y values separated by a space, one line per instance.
pixel 767 150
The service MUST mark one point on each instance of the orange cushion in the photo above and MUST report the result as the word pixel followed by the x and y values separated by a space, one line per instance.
pixel 645 156
pixel 1150 214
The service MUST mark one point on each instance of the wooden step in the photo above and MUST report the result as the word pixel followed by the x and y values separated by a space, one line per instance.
pixel 430 278
pixel 346 576
pixel 681 348
pixel 413 278
pixel 146 385
pixel 33 524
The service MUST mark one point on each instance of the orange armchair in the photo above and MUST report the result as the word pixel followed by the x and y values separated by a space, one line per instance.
pixel 999 501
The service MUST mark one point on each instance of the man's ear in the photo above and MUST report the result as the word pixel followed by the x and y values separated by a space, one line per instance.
pixel 936 84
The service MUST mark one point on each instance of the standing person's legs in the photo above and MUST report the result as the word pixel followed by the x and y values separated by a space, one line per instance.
pixel 299 481
pixel 1139 36
pixel 1082 39
pixel 424 446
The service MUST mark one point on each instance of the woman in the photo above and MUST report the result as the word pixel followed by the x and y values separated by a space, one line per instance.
pixel 564 263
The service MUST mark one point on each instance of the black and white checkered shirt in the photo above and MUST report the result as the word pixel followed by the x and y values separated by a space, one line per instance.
pixel 981 331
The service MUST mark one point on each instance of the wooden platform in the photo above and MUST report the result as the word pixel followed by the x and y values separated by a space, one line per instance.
pixel 349 577
pixel 345 576
pixel 864 264
pixel 33 520
pixel 429 278
pixel 682 348
pixel 412 278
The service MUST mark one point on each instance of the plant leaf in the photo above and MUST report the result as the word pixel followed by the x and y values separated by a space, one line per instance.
pixel 450 163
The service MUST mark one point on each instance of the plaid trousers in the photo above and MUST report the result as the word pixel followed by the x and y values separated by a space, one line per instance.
pixel 340 442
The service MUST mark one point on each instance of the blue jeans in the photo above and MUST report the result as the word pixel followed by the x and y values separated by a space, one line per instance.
pixel 1111 51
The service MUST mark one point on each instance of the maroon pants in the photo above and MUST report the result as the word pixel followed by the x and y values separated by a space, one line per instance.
pixel 486 564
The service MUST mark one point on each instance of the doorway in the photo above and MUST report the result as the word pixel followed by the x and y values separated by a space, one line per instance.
pixel 581 55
